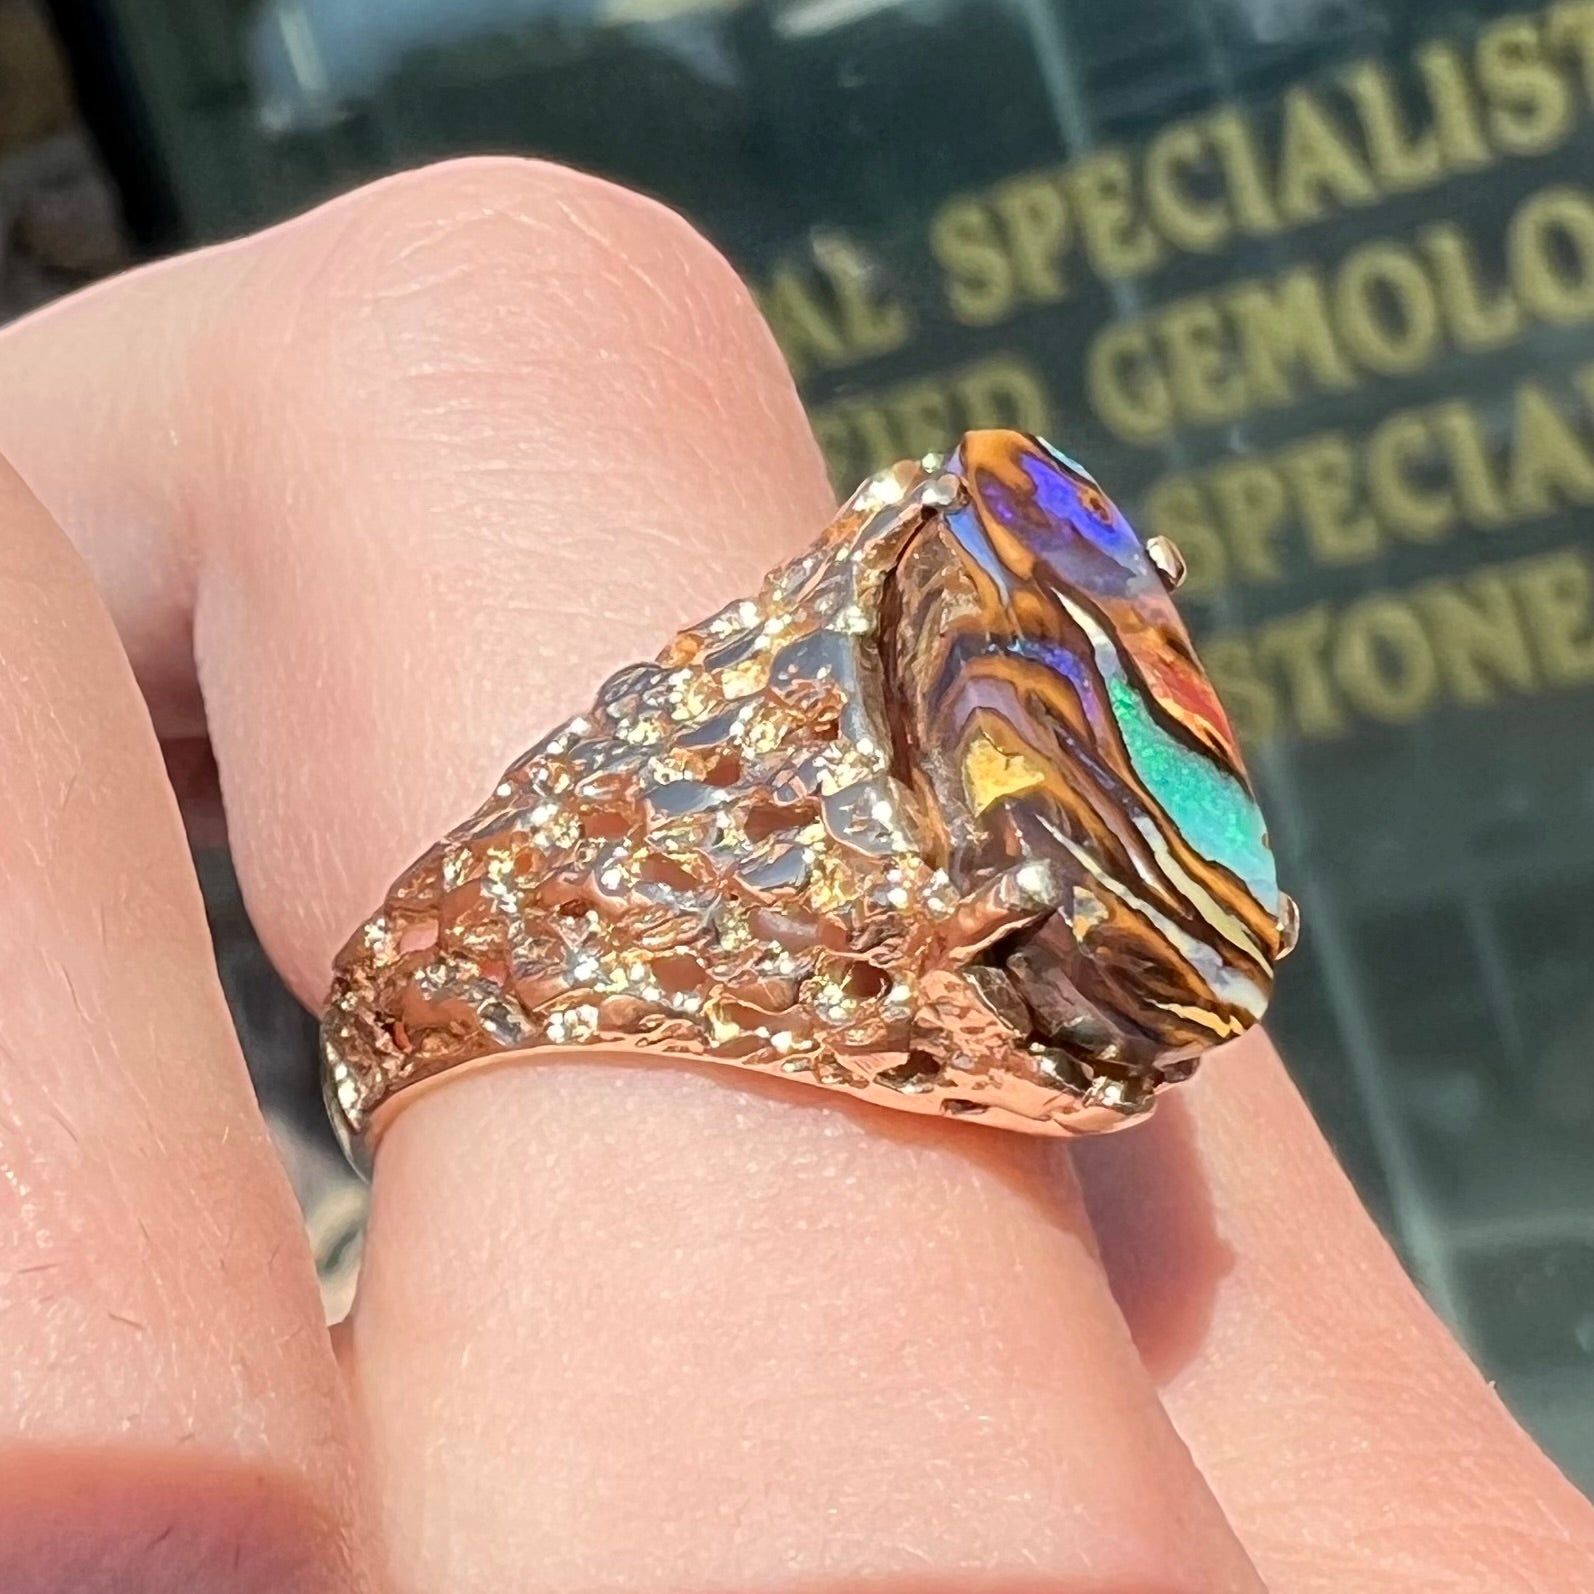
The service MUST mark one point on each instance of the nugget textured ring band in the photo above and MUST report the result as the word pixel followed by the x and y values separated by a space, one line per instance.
pixel 948 817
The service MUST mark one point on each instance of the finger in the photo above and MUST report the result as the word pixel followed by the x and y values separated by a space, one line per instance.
pixel 170 1414
pixel 473 439
pixel 1351 1440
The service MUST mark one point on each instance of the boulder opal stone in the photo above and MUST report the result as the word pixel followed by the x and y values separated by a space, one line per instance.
pixel 1052 709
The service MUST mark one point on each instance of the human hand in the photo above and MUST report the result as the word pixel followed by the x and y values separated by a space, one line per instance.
pixel 372 500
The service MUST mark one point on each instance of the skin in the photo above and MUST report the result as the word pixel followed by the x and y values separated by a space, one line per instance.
pixel 369 501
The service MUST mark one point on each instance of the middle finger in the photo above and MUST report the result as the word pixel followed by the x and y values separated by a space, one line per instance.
pixel 621 1327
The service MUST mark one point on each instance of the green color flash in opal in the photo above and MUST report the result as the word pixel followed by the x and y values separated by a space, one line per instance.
pixel 1211 809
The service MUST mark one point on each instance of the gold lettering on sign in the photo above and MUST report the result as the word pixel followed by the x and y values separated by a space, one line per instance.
pixel 1284 324
pixel 1186 221
pixel 1126 385
pixel 1530 102
pixel 1383 660
pixel 1550 246
pixel 1550 464
pixel 1239 154
pixel 1319 167
pixel 1477 318
pixel 1201 181
pixel 1571 29
pixel 833 309
pixel 1389 308
pixel 1034 218
pixel 1339 528
pixel 1420 475
pixel 1513 629
pixel 1118 240
pixel 1401 459
pixel 1458 127
pixel 1557 595
pixel 1401 159
pixel 1208 387
pixel 1003 252
pixel 1252 502
pixel 980 277
pixel 1386 308
pixel 1480 641
pixel 1293 648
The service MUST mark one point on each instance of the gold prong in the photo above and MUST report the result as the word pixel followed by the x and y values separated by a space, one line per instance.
pixel 1289 922
pixel 943 492
pixel 1015 898
pixel 1130 1098
pixel 1164 554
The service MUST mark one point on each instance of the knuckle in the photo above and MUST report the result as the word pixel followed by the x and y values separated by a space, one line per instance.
pixel 465 327
pixel 502 265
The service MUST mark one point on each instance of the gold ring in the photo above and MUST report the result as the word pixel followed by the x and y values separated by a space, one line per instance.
pixel 948 817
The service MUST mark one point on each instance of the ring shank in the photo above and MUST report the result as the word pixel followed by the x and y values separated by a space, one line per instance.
pixel 885 828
